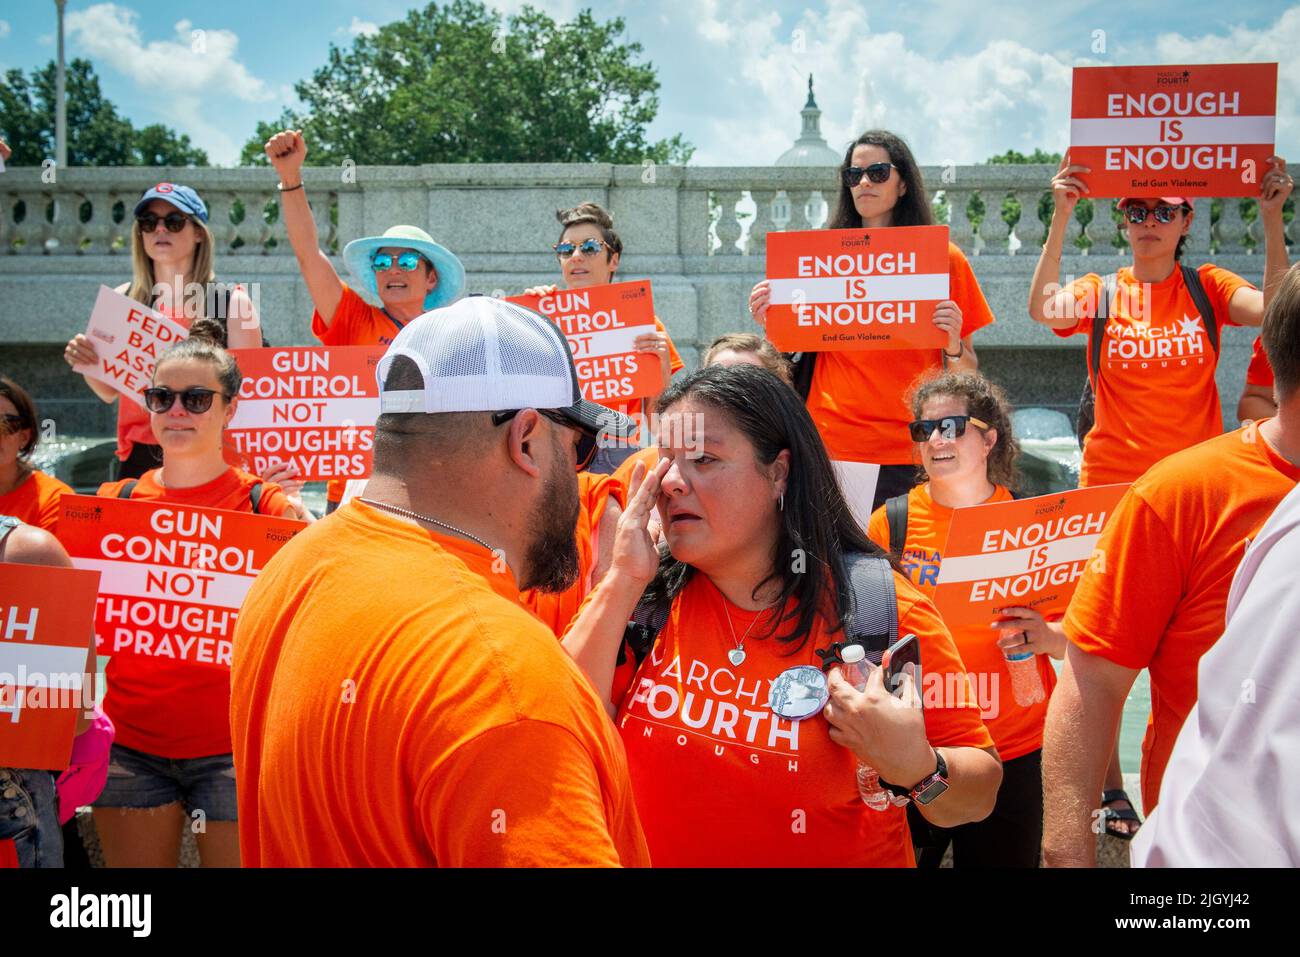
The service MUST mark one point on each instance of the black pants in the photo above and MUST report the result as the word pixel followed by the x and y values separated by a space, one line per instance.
pixel 894 480
pixel 142 458
pixel 1012 836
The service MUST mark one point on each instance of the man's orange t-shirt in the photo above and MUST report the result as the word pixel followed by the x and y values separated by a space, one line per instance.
pixel 437 723
pixel 1259 372
pixel 556 609
pixel 1160 361
pixel 1016 730
pixel 1171 550
pixel 36 501
pixel 859 399
pixel 721 781
pixel 170 708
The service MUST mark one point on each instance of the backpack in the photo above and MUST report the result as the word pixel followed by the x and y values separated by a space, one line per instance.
pixel 802 365
pixel 1110 285
pixel 254 493
pixel 896 516
pixel 873 620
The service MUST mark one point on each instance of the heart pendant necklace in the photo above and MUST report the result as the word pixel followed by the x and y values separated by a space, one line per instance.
pixel 736 655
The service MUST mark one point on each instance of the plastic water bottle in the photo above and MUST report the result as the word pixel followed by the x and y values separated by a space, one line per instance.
pixel 1026 683
pixel 854 671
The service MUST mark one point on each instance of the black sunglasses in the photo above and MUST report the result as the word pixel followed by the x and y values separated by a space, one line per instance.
pixel 13 423
pixel 876 173
pixel 588 247
pixel 950 427
pixel 174 222
pixel 586 441
pixel 160 399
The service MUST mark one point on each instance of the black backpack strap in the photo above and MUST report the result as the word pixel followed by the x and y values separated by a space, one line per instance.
pixel 873 621
pixel 255 496
pixel 1192 279
pixel 648 619
pixel 896 515
pixel 127 490
pixel 802 366
pixel 1109 286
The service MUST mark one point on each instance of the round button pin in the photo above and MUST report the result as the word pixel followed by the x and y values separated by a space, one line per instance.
pixel 799 692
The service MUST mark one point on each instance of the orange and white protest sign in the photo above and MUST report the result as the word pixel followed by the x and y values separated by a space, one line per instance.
pixel 1150 131
pixel 129 338
pixel 602 324
pixel 311 407
pixel 173 576
pixel 46 617
pixel 1024 553
pixel 839 290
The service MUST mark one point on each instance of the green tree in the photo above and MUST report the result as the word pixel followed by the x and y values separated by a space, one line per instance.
pixel 97 134
pixel 460 83
pixel 1015 158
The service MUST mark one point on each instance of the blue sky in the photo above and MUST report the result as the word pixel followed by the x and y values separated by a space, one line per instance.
pixel 958 81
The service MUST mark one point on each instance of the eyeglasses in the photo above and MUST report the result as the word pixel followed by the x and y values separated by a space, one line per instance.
pixel 407 261
pixel 12 423
pixel 160 399
pixel 950 427
pixel 588 247
pixel 586 442
pixel 876 173
pixel 174 222
pixel 1164 213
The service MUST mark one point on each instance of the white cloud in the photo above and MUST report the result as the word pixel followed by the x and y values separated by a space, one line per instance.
pixel 179 75
pixel 4 29
pixel 358 28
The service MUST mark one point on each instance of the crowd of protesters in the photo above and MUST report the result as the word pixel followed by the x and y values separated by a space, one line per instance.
pixel 518 643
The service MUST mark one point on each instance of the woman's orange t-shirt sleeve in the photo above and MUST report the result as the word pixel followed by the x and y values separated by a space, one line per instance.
pixel 1221 285
pixel 273 502
pixel 341 329
pixel 878 528
pixel 964 289
pixel 1119 610
pixel 1085 291
pixel 480 810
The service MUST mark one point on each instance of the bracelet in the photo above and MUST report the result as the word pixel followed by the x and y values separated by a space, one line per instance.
pixel 961 350
pixel 287 189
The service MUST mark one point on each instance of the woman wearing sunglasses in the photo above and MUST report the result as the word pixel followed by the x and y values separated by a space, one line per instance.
pixel 858 399
pixel 1157 350
pixel 26 492
pixel 172 250
pixel 172 756
pixel 756 584
pixel 588 251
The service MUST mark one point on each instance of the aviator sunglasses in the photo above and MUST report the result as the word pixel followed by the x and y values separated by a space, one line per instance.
pixel 588 247
pixel 950 427
pixel 1164 213
pixel 876 173
pixel 160 399
pixel 174 222
pixel 586 443
pixel 381 262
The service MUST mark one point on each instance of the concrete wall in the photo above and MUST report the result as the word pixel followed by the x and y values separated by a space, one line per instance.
pixel 697 233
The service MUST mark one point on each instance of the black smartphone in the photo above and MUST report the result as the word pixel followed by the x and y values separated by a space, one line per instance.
pixel 905 651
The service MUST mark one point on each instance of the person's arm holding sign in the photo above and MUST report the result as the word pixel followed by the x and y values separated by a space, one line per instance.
pixel 287 151
pixel 958 354
pixel 1247 305
pixel 1049 304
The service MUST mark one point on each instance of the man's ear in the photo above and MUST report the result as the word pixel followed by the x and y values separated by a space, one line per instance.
pixel 524 442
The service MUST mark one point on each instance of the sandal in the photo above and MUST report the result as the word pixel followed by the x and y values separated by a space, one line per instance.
pixel 1113 815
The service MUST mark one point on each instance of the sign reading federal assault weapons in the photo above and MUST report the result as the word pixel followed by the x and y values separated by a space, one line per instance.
pixel 46 618
pixel 838 290
pixel 1026 553
pixel 602 324
pixel 1149 131
pixel 172 576
pixel 128 337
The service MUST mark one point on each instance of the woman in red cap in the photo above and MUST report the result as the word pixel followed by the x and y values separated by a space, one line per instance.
pixel 172 256
pixel 1152 363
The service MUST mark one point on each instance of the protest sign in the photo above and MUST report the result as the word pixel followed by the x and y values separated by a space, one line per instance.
pixel 838 290
pixel 129 337
pixel 1024 553
pixel 173 576
pixel 1149 131
pixel 46 618
pixel 312 407
pixel 602 324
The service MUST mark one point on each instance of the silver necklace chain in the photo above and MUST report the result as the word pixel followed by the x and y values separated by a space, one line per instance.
pixel 432 521
pixel 740 645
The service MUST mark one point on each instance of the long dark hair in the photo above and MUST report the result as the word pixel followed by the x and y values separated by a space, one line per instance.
pixel 816 523
pixel 913 207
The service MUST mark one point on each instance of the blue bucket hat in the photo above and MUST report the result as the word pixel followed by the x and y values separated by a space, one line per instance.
pixel 182 197
pixel 451 273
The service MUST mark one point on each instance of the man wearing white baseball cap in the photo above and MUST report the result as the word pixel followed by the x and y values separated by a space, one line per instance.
pixel 393 705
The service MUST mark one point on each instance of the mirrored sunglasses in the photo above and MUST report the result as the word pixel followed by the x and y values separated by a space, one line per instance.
pixel 1164 213
pixel 588 247
pixel 410 262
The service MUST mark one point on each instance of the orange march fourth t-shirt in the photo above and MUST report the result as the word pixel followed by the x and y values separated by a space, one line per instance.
pixel 435 722
pixel 721 781
pixel 36 501
pixel 1156 393
pixel 859 399
pixel 1016 730
pixel 170 708
pixel 1171 550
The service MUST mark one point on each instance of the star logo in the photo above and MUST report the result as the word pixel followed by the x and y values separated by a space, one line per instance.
pixel 1190 326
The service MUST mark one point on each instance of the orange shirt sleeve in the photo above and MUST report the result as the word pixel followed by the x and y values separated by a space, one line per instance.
pixel 348 325
pixel 51 504
pixel 273 502
pixel 1117 611
pixel 964 289
pixel 878 528
pixel 1221 285
pixel 1085 290
pixel 480 811
pixel 1259 372
pixel 674 359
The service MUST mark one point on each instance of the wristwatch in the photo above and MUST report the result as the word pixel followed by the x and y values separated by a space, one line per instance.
pixel 929 788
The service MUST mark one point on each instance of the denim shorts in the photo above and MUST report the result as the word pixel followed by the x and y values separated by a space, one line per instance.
pixel 139 780
pixel 29 816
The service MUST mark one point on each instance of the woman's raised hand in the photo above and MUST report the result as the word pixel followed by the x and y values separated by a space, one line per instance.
pixel 1067 188
pixel 760 297
pixel 636 554
pixel 80 351
pixel 287 150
